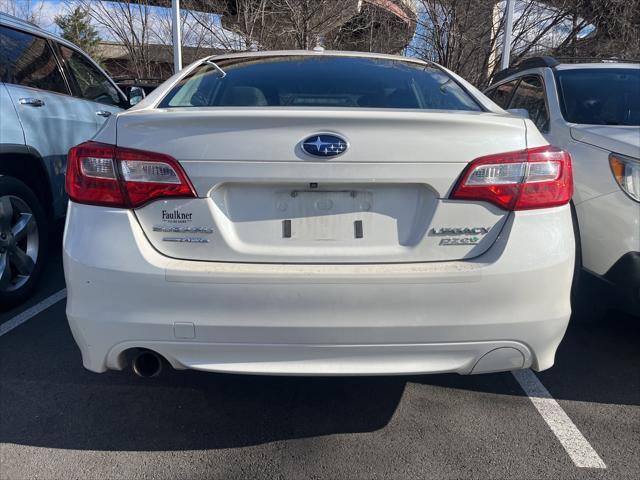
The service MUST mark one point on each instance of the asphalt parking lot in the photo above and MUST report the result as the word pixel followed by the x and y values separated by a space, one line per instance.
pixel 58 420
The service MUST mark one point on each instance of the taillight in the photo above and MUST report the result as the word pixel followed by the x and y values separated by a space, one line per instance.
pixel 101 174
pixel 535 178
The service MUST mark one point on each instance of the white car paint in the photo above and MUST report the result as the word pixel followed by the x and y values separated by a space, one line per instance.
pixel 608 220
pixel 248 301
pixel 624 140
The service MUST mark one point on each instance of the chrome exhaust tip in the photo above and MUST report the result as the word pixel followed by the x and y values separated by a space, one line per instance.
pixel 147 364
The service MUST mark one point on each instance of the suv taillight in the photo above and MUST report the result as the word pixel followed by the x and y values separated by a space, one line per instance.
pixel 535 178
pixel 101 174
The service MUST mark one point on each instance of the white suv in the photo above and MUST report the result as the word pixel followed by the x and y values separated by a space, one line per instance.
pixel 52 97
pixel 592 110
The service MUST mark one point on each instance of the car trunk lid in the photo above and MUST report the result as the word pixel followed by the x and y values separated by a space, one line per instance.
pixel 261 198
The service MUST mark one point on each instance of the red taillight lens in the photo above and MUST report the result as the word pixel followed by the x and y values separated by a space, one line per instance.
pixel 535 178
pixel 101 174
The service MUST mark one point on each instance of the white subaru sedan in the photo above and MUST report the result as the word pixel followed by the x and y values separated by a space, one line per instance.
pixel 318 213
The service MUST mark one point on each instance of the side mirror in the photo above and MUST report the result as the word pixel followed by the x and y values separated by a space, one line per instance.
pixel 135 94
pixel 519 112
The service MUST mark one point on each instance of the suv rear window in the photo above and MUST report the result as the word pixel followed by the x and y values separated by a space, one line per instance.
pixel 319 81
pixel 600 96
pixel 28 60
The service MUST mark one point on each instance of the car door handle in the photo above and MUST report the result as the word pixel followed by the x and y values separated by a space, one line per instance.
pixel 34 102
pixel 103 113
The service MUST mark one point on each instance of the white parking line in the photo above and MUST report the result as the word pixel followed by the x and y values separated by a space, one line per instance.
pixel 30 312
pixel 578 448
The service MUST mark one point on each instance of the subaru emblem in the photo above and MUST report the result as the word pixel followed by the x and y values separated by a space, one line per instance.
pixel 325 145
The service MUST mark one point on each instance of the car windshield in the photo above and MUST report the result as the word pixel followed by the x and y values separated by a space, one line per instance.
pixel 319 81
pixel 602 96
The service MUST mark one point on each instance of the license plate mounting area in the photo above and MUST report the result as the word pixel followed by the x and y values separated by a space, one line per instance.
pixel 324 215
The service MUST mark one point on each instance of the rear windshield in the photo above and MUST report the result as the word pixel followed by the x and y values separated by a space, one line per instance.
pixel 602 96
pixel 310 81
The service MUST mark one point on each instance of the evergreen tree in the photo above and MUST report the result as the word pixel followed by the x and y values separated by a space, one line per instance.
pixel 76 27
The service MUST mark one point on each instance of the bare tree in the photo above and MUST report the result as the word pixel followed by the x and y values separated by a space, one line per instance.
pixel 466 35
pixel 303 24
pixel 274 24
pixel 384 28
pixel 29 10
pixel 135 26
pixel 450 33
pixel 463 35
pixel 237 25
pixel 616 29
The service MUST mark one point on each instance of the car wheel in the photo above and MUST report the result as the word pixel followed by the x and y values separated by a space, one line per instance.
pixel 23 241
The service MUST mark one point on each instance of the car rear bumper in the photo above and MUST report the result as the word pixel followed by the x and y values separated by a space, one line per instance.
pixel 503 310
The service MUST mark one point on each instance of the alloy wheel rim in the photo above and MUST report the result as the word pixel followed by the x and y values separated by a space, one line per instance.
pixel 19 243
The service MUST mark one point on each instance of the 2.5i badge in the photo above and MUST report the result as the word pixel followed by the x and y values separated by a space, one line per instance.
pixel 460 241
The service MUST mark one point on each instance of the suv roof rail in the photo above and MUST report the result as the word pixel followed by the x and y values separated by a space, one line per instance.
pixel 597 60
pixel 19 20
pixel 527 63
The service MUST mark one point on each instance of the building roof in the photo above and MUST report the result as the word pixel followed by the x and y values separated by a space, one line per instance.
pixel 156 52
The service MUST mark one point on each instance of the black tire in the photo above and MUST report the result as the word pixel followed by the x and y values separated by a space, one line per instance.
pixel 587 305
pixel 20 197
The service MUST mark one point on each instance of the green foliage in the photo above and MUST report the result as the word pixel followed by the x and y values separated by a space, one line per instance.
pixel 76 27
